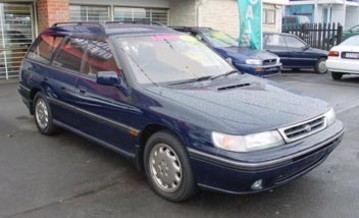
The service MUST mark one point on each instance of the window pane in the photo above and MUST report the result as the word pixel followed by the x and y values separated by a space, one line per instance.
pixel 43 51
pixel 123 14
pixel 126 14
pixel 294 42
pixel 160 16
pixel 89 13
pixel 268 16
pixel 275 40
pixel 70 55
pixel 141 14
pixel 99 57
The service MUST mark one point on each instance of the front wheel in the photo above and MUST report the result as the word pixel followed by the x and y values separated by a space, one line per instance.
pixel 43 115
pixel 167 167
pixel 320 66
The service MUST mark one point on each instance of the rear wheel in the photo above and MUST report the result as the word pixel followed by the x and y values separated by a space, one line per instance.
pixel 167 167
pixel 337 76
pixel 43 115
pixel 320 66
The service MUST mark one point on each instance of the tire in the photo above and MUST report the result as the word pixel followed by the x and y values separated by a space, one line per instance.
pixel 320 66
pixel 43 116
pixel 165 156
pixel 336 76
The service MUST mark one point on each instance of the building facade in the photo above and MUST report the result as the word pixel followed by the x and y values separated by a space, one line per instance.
pixel 22 20
pixel 346 12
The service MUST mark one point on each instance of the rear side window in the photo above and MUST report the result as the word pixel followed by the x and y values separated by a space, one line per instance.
pixel 70 55
pixel 44 48
pixel 99 57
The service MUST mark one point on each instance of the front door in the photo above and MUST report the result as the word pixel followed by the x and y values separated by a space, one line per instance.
pixel 107 111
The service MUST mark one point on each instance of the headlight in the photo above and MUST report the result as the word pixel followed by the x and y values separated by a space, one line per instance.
pixel 254 62
pixel 278 60
pixel 247 143
pixel 330 117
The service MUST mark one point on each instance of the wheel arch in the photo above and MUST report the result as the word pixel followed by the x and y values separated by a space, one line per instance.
pixel 144 135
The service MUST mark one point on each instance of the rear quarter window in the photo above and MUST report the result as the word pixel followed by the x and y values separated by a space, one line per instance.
pixel 44 48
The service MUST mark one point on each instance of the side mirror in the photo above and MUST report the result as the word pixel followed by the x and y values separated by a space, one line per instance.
pixel 107 78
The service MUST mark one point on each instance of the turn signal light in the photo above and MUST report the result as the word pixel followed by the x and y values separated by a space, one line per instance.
pixel 333 54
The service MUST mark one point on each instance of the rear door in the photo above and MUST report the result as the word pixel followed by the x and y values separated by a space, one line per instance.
pixel 106 112
pixel 64 71
pixel 39 72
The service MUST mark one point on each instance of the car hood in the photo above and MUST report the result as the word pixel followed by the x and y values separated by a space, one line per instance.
pixel 245 53
pixel 246 104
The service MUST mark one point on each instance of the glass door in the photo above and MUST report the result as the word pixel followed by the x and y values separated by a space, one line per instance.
pixel 16 35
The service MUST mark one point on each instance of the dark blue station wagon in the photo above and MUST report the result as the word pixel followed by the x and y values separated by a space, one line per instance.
pixel 174 107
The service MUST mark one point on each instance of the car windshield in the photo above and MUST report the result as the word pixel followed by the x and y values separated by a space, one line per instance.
pixel 352 41
pixel 170 58
pixel 220 39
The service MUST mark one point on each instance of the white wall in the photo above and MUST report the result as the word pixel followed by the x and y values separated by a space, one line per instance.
pixel 222 15
pixel 352 17
pixel 338 14
pixel 183 13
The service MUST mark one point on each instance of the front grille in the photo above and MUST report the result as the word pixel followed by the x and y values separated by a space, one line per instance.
pixel 350 55
pixel 304 129
pixel 269 62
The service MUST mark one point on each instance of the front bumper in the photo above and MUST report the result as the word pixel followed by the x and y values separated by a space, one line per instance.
pixel 262 71
pixel 237 177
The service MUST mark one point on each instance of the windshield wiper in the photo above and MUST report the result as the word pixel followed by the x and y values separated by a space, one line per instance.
pixel 225 74
pixel 202 78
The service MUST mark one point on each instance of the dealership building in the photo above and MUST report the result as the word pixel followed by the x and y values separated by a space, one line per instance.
pixel 22 20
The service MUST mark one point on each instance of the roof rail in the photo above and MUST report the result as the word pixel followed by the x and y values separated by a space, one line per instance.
pixel 76 23
pixel 135 22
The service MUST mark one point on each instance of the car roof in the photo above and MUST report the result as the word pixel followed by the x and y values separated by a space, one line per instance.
pixel 94 29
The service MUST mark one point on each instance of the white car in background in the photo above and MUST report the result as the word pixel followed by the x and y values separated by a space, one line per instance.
pixel 344 58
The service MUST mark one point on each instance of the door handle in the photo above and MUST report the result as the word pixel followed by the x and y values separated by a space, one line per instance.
pixel 81 90
pixel 45 79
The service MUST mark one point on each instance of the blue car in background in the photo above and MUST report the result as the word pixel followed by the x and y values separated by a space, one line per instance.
pixel 259 63
pixel 294 53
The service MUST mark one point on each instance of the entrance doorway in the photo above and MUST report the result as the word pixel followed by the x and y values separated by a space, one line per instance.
pixel 16 35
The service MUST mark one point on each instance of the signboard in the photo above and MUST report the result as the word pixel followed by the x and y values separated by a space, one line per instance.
pixel 250 15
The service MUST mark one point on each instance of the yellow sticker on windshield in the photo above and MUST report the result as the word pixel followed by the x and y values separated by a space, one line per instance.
pixel 188 38
pixel 218 35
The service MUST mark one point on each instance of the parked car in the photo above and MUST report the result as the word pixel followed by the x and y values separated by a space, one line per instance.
pixel 259 63
pixel 294 52
pixel 354 30
pixel 291 21
pixel 344 58
pixel 175 108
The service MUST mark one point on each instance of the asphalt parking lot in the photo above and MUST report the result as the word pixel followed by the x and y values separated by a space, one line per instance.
pixel 68 176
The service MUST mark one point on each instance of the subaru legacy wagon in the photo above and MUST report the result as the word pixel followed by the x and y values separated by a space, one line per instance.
pixel 170 104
